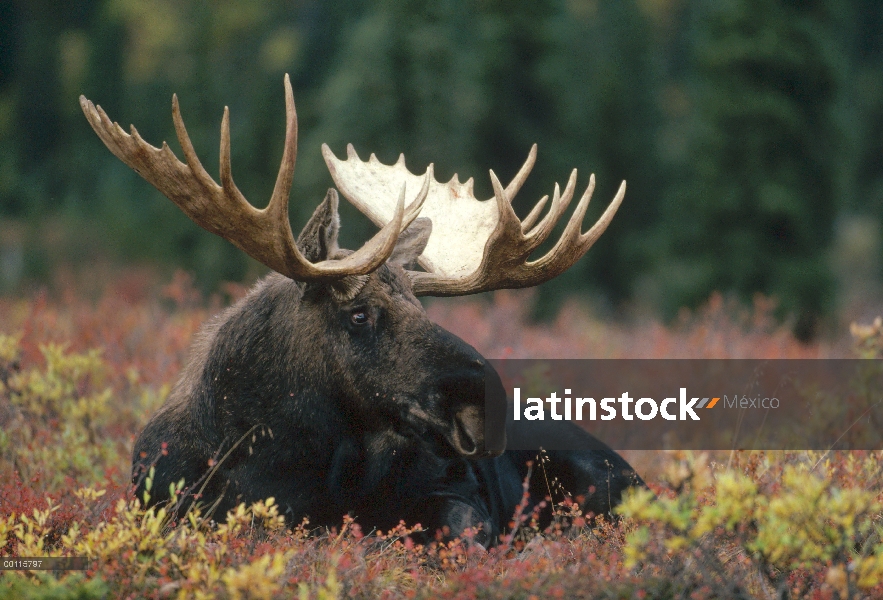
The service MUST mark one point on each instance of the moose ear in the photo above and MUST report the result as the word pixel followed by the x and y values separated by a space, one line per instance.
pixel 318 240
pixel 412 242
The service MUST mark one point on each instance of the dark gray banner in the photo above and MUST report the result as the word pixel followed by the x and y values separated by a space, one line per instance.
pixel 691 404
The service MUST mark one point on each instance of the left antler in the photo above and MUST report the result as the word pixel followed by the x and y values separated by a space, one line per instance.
pixel 475 246
pixel 264 234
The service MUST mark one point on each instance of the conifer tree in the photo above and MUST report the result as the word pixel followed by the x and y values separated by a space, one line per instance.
pixel 752 206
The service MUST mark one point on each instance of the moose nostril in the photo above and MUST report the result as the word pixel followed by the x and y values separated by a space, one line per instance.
pixel 468 434
pixel 466 443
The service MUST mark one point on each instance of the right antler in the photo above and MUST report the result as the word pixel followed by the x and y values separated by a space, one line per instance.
pixel 264 234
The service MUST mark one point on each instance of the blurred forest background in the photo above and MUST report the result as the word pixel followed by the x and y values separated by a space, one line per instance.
pixel 750 131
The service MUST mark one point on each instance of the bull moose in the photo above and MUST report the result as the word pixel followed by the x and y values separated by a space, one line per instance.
pixel 326 386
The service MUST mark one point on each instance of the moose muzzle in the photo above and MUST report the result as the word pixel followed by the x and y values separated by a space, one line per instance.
pixel 477 425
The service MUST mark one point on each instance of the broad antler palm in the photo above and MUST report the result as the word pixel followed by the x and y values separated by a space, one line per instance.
pixel 476 246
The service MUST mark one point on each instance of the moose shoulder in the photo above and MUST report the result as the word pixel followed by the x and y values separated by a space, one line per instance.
pixel 327 387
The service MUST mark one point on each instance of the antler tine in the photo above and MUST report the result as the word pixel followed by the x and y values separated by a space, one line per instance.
pixel 600 226
pixel 231 192
pixel 509 221
pixel 559 205
pixel 187 146
pixel 265 234
pixel 515 185
pixel 282 189
pixel 531 218
pixel 378 249
pixel 420 200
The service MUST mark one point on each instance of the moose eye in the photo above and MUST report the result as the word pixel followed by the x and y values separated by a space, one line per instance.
pixel 359 317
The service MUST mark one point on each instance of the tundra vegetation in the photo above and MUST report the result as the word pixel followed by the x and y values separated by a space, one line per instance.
pixel 80 378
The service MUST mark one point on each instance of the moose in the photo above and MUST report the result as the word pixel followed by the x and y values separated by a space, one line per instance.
pixel 327 387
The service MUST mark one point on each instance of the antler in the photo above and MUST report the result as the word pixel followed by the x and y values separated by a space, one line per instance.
pixel 476 246
pixel 264 234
